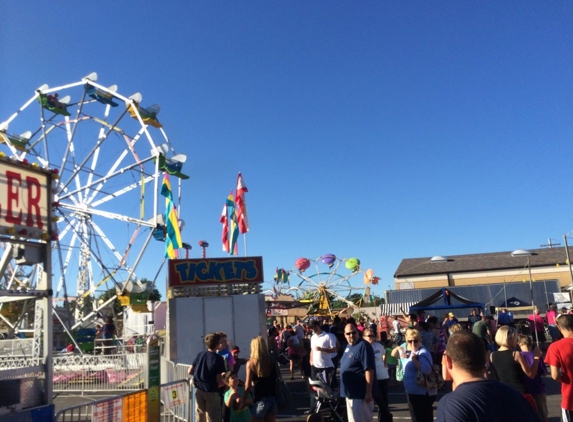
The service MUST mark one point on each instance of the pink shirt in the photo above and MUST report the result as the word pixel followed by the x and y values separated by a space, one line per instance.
pixel 537 322
pixel 550 316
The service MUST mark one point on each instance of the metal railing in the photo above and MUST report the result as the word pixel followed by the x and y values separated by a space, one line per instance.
pixel 87 373
pixel 176 406
pixel 16 347
pixel 172 372
pixel 116 408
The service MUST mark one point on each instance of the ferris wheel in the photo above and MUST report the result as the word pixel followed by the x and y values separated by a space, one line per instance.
pixel 323 281
pixel 110 154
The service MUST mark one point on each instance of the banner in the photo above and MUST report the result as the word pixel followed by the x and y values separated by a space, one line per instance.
pixel 188 272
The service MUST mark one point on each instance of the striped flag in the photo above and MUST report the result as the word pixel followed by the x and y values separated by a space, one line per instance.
pixel 234 228
pixel 173 235
pixel 242 219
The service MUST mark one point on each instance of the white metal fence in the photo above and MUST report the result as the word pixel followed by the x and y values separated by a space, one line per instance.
pixel 171 371
pixel 88 373
pixel 112 409
pixel 16 347
pixel 175 406
pixel 175 402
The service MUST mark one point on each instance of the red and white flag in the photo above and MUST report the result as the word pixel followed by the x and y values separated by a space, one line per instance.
pixel 225 235
pixel 241 206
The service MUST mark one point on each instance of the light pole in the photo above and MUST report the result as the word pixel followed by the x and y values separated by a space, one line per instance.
pixel 187 248
pixel 204 245
pixel 520 253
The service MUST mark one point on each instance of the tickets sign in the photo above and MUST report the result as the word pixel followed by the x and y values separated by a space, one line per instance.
pixel 25 200
pixel 194 272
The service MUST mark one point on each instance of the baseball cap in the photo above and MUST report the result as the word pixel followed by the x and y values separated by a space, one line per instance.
pixel 451 314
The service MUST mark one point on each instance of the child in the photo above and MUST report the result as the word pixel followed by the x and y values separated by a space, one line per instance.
pixel 536 385
pixel 225 352
pixel 233 397
pixel 294 353
pixel 390 360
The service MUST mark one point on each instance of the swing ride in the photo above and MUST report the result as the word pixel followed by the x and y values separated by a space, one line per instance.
pixel 110 161
pixel 325 284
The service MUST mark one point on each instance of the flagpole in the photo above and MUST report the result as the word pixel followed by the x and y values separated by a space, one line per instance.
pixel 245 242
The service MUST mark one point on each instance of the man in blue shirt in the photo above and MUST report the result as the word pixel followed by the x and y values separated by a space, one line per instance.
pixel 357 376
pixel 207 371
pixel 476 398
pixel 505 318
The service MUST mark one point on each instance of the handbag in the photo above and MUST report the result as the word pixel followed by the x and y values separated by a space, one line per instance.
pixel 432 380
pixel 428 381
pixel 283 395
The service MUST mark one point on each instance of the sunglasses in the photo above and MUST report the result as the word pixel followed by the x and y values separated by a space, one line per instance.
pixel 350 333
pixel 413 341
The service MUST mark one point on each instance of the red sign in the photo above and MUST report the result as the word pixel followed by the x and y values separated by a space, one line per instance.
pixel 199 272
pixel 25 200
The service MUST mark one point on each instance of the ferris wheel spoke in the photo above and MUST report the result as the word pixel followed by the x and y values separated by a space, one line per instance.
pixel 125 190
pixel 102 235
pixel 102 180
pixel 113 170
pixel 64 264
pixel 106 214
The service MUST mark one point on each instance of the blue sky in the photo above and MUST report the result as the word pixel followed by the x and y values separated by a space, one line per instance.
pixel 374 129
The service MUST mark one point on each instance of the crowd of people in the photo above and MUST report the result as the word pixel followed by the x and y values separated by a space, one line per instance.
pixel 496 372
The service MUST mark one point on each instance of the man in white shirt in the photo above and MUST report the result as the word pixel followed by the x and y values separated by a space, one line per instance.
pixel 397 330
pixel 299 330
pixel 322 346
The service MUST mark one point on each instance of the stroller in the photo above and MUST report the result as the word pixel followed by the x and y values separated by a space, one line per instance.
pixel 327 399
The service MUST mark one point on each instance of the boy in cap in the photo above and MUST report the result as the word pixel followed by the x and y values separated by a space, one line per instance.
pixel 238 361
pixel 451 320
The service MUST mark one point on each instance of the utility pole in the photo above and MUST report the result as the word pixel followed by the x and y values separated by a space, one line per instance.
pixel 568 257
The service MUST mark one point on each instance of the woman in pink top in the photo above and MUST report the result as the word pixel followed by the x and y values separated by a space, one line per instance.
pixel 537 325
pixel 550 317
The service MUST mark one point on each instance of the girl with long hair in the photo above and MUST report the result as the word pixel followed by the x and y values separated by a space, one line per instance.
pixel 260 381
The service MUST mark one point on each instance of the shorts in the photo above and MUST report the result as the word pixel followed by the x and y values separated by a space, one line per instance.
pixel 266 405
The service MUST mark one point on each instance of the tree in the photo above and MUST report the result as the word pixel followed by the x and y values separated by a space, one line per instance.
pixel 116 307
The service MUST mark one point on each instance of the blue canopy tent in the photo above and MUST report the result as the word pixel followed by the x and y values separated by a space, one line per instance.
pixel 514 302
pixel 446 300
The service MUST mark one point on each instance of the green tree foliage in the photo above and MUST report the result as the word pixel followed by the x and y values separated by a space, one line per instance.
pixel 154 295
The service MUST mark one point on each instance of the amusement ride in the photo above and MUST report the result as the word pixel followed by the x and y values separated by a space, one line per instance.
pixel 109 156
pixel 323 281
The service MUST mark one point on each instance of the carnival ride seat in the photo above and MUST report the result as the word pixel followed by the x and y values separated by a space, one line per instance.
pixel 328 399
pixel 148 114
pixel 172 165
pixel 102 96
pixel 52 103
pixel 19 142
